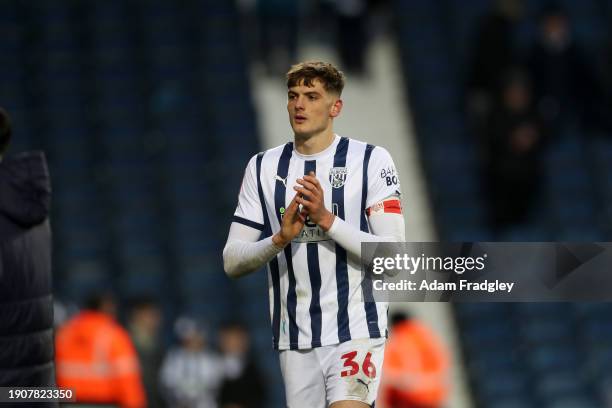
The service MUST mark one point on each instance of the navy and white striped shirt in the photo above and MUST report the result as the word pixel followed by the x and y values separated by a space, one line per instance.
pixel 314 285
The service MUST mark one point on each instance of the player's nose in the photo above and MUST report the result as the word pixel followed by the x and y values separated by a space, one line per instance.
pixel 299 103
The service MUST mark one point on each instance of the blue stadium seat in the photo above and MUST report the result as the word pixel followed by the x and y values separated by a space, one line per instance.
pixel 511 402
pixel 563 387
pixel 502 384
pixel 578 401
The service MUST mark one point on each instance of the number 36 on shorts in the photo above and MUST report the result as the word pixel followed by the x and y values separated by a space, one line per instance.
pixel 353 366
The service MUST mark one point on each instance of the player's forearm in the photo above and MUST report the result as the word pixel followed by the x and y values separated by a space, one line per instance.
pixel 390 228
pixel 241 257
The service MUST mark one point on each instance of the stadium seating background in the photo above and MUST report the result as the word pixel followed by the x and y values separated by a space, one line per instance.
pixel 144 110
pixel 517 355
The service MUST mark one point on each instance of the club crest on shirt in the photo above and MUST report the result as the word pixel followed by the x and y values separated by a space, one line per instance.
pixel 337 176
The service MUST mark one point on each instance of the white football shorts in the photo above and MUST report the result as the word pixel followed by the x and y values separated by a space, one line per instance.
pixel 318 377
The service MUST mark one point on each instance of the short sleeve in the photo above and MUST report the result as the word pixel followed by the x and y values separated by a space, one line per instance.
pixel 249 211
pixel 383 179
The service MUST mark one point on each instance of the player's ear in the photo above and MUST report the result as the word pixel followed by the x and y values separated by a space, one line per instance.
pixel 336 108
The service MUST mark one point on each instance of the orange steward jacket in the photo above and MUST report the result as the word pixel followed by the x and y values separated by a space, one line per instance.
pixel 96 358
pixel 415 369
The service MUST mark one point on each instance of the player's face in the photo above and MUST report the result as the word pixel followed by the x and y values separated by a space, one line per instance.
pixel 311 108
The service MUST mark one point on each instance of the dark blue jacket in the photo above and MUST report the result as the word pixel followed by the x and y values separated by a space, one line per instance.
pixel 26 304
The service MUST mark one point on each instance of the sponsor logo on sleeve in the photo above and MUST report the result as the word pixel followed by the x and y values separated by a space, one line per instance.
pixel 389 175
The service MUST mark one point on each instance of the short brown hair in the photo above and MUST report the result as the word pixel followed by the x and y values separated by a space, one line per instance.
pixel 5 130
pixel 308 71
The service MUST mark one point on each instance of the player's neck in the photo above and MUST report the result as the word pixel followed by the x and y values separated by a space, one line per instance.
pixel 313 144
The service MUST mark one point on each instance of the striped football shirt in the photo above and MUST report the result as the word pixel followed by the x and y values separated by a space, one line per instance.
pixel 314 285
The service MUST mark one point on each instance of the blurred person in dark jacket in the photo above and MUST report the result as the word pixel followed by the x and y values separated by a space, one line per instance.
pixel 512 153
pixel 351 20
pixel 278 20
pixel 144 327
pixel 243 386
pixel 607 84
pixel 565 86
pixel 493 52
pixel 26 303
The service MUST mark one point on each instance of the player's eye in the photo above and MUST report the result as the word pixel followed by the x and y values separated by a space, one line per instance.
pixel 312 97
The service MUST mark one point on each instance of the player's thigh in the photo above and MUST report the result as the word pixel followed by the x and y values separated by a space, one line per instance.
pixel 303 377
pixel 349 404
pixel 352 372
